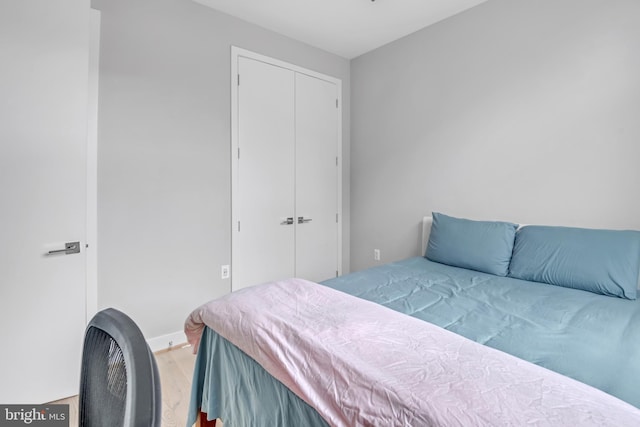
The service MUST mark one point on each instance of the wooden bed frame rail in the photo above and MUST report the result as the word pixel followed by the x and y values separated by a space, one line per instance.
pixel 203 422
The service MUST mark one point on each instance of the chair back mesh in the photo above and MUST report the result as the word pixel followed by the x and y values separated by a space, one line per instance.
pixel 119 384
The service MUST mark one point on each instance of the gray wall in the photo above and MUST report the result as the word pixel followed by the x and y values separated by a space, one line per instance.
pixel 164 188
pixel 516 110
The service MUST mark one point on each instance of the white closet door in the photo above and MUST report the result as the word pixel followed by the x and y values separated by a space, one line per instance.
pixel 316 178
pixel 265 243
pixel 44 46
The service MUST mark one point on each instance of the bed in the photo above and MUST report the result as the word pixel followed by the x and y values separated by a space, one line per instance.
pixel 463 336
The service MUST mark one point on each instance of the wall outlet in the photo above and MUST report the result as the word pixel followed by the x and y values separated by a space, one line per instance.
pixel 376 254
pixel 225 271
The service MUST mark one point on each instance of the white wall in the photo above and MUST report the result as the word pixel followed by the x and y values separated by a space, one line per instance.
pixel 164 188
pixel 516 110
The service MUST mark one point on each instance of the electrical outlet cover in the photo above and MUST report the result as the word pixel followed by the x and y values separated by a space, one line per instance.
pixel 225 270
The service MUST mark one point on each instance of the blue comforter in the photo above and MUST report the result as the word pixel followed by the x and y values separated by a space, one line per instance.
pixel 592 338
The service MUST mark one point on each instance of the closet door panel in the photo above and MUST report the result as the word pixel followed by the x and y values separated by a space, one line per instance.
pixel 316 178
pixel 266 181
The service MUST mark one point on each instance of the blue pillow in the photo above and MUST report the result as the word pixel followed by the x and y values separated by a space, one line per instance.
pixel 476 245
pixel 605 262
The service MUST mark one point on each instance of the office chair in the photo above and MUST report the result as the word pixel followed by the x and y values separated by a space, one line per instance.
pixel 119 380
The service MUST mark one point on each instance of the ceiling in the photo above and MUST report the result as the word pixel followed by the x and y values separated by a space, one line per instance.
pixel 347 28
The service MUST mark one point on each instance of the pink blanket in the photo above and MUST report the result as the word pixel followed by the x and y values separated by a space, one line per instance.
pixel 361 364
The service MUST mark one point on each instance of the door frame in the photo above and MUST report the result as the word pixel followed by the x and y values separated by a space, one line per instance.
pixel 236 53
pixel 91 244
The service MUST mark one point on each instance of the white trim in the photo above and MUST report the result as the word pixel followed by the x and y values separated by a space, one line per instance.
pixel 236 53
pixel 91 247
pixel 427 221
pixel 168 341
pixel 338 83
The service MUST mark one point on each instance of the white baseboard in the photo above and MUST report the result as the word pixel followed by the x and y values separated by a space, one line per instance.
pixel 165 342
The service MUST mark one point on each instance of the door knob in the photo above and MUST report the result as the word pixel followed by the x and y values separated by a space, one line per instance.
pixel 288 221
pixel 302 220
pixel 69 248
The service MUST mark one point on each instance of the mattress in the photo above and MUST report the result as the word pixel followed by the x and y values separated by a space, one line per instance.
pixel 588 337
pixel 592 338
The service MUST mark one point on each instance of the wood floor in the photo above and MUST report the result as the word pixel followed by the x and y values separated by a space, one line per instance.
pixel 176 370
